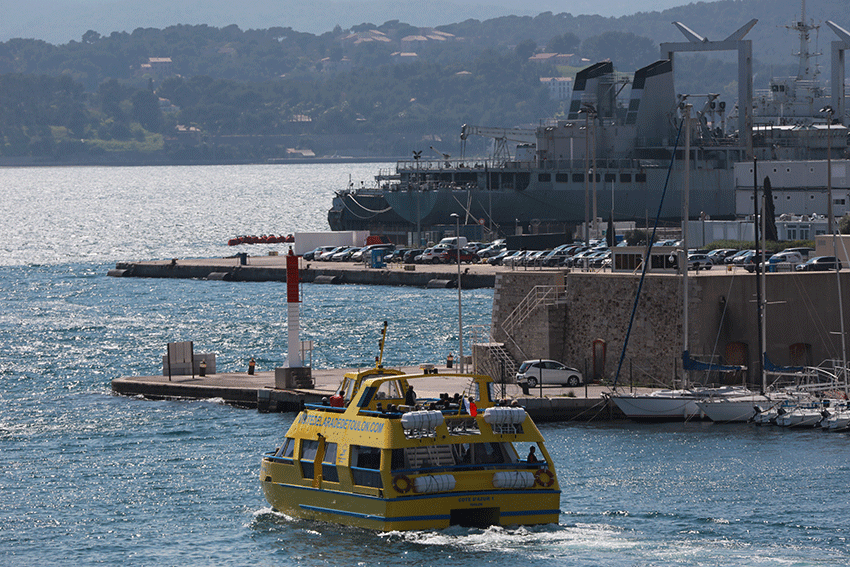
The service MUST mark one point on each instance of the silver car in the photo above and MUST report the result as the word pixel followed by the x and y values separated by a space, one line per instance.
pixel 548 372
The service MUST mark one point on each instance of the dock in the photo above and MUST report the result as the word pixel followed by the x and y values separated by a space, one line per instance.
pixel 257 391
pixel 242 268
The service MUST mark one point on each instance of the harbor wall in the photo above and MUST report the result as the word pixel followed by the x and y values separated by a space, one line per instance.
pixel 802 318
pixel 232 270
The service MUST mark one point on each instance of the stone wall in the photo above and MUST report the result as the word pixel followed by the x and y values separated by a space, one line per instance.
pixel 802 310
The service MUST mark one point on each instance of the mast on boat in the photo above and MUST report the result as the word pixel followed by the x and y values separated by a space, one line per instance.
pixel 686 109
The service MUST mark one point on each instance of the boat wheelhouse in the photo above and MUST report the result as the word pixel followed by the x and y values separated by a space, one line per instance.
pixel 373 461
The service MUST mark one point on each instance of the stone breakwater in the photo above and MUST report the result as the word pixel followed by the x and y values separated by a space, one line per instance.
pixel 273 268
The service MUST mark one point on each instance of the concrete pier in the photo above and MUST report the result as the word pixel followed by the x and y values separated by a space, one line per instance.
pixel 258 391
pixel 273 268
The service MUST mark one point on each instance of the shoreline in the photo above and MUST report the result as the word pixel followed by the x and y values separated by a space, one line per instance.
pixel 12 162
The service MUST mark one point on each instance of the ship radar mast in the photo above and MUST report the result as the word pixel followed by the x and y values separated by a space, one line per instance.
pixel 806 71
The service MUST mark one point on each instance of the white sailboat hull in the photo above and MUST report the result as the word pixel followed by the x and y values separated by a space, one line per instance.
pixel 734 409
pixel 659 407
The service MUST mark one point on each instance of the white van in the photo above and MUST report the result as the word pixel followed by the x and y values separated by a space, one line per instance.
pixel 451 242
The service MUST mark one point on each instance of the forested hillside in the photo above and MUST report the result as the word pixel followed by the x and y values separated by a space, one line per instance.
pixel 205 93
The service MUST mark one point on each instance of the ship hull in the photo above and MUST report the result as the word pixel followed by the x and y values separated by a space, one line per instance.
pixel 631 195
pixel 415 512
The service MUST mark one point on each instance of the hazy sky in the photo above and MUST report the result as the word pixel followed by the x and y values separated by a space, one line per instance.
pixel 59 21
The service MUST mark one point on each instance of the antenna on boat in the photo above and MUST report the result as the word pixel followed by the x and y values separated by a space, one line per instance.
pixel 379 360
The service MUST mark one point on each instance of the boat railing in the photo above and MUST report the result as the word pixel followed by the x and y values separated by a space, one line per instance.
pixel 430 165
pixel 829 376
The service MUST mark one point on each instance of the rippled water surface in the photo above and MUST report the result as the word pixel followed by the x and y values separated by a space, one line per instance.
pixel 90 478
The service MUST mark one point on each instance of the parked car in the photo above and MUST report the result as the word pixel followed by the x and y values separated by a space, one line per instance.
pixel 314 253
pixel 819 264
pixel 344 254
pixel 397 255
pixel 497 259
pixel 598 261
pixel 548 372
pixel 578 259
pixel 738 257
pixel 790 260
pixel 410 255
pixel 466 256
pixel 515 259
pixel 749 263
pixel 431 255
pixel 804 251
pixel 328 254
pixel 535 258
pixel 719 255
pixel 699 262
pixel 494 249
pixel 555 257
pixel 365 253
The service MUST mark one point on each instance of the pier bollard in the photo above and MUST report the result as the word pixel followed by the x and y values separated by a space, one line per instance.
pixel 251 366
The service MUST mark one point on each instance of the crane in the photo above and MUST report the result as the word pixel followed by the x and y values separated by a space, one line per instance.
pixel 501 137
pixel 444 156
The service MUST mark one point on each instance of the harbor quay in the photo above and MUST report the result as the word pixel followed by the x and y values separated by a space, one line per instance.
pixel 273 268
pixel 581 318
pixel 258 391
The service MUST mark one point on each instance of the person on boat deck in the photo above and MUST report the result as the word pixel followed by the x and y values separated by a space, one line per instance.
pixel 470 407
pixel 532 458
pixel 410 397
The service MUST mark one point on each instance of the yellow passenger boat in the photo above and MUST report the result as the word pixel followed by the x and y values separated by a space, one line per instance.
pixel 375 460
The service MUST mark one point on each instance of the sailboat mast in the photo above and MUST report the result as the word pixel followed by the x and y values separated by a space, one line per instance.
pixel 685 210
pixel 763 299
pixel 757 256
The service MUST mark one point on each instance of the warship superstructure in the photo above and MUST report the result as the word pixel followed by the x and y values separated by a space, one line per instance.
pixel 609 157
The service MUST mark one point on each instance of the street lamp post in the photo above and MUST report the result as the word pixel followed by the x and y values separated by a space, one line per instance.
pixel 829 112
pixel 459 309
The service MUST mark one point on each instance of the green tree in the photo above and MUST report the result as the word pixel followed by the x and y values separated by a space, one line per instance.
pixel 146 110
pixel 565 43
pixel 525 49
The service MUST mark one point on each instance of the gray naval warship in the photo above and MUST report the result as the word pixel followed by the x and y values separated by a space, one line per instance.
pixel 609 155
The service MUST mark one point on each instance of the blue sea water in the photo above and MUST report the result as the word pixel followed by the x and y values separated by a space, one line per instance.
pixel 88 478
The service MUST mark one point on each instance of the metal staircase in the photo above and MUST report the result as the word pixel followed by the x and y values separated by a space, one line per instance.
pixel 498 358
pixel 546 295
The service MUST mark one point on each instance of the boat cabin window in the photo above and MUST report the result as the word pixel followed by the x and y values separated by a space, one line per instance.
pixel 366 465
pixel 488 453
pixel 329 471
pixel 308 455
pixel 347 389
pixel 287 449
pixel 390 390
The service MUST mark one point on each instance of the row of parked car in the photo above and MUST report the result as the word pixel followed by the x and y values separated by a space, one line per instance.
pixel 345 253
pixel 798 259
pixel 597 255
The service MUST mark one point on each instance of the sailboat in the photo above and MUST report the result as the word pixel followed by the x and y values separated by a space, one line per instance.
pixel 677 404
pixel 746 406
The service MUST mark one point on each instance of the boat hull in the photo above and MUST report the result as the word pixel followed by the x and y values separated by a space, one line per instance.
pixel 727 411
pixel 658 408
pixel 411 512
pixel 561 203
